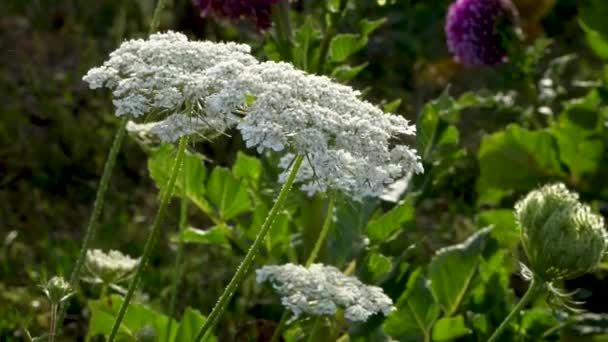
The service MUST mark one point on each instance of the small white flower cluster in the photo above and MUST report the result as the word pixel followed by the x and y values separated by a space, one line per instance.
pixel 350 144
pixel 109 268
pixel 320 290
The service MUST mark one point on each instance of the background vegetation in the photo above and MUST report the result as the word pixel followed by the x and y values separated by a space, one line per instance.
pixel 487 136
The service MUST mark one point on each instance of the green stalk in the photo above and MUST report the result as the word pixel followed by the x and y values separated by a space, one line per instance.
pixel 167 192
pixel 108 168
pixel 280 17
pixel 178 267
pixel 241 271
pixel 91 229
pixel 329 35
pixel 311 258
pixel 533 289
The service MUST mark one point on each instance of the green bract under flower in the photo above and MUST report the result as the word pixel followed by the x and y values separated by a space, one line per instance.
pixel 562 238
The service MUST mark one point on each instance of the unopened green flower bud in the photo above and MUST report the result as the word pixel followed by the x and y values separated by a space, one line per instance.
pixel 57 290
pixel 562 238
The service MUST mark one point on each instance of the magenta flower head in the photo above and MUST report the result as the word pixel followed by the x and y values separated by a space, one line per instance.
pixel 258 10
pixel 476 31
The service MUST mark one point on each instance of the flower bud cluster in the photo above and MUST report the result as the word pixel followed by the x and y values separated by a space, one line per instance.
pixel 57 290
pixel 562 238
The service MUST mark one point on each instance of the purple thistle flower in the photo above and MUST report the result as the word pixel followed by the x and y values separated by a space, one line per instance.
pixel 259 10
pixel 473 33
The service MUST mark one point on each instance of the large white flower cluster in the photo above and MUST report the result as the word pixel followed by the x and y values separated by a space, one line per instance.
pixel 169 75
pixel 109 268
pixel 320 290
pixel 349 144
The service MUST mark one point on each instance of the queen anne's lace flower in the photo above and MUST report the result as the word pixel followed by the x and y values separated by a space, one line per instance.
pixel 320 290
pixel 349 144
pixel 168 74
pixel 109 268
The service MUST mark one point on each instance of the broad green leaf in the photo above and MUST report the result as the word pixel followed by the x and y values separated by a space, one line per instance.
pixel 416 311
pixel 344 45
pixel 369 26
pixel 505 229
pixel 345 73
pixel 384 227
pixel 536 321
pixel 452 269
pixel 305 38
pixel 191 322
pixel 516 160
pixel 227 194
pixel 247 167
pixel 347 236
pixel 378 265
pixel 137 316
pixel 216 235
pixel 581 155
pixel 159 166
pixel 447 329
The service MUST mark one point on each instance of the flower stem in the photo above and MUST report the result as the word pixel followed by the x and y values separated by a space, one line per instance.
pixel 53 325
pixel 534 288
pixel 178 268
pixel 332 29
pixel 91 229
pixel 311 258
pixel 241 271
pixel 166 194
pixel 280 15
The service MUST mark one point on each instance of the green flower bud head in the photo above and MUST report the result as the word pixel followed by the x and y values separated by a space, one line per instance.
pixel 562 238
pixel 57 290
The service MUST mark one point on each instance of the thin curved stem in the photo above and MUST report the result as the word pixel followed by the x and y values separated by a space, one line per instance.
pixel 280 16
pixel 241 271
pixel 167 192
pixel 311 258
pixel 91 228
pixel 329 35
pixel 323 233
pixel 158 11
pixel 178 268
pixel 534 288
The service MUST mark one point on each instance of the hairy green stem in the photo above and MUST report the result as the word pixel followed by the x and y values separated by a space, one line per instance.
pixel 311 258
pixel 280 16
pixel 167 192
pixel 241 271
pixel 178 268
pixel 534 288
pixel 91 228
pixel 332 29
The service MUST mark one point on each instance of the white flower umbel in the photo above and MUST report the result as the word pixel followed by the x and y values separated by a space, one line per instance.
pixel 109 268
pixel 320 290
pixel 350 144
pixel 167 74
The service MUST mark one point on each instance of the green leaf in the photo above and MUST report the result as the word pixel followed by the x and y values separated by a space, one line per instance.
pixel 216 235
pixel 447 329
pixel 247 167
pixel 378 265
pixel 137 316
pixel 188 327
pixel 593 14
pixel 369 26
pixel 392 106
pixel 452 269
pixel 580 154
pixel 416 311
pixel 344 45
pixel 227 194
pixel 384 227
pixel 159 166
pixel 345 73
pixel 504 226
pixel 516 160
pixel 305 39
